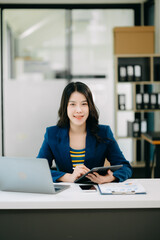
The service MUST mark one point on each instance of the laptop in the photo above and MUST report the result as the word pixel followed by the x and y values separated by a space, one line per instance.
pixel 27 175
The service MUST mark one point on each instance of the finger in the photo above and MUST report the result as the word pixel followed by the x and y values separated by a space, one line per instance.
pixel 78 174
pixel 79 166
pixel 80 171
pixel 96 174
pixel 87 168
pixel 110 172
pixel 92 176
pixel 82 166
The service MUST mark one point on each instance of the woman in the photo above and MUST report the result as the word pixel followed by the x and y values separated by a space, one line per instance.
pixel 78 143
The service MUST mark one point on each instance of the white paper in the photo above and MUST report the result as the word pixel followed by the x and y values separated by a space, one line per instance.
pixel 127 187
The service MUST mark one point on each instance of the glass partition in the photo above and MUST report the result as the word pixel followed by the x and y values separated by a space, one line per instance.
pixel 35 44
pixel 93 54
pixel 34 57
pixel 37 47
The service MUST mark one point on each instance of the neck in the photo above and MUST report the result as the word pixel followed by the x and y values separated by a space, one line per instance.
pixel 77 129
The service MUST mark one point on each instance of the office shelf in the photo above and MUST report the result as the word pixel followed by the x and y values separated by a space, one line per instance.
pixel 147 82
pixel 140 164
pixel 136 110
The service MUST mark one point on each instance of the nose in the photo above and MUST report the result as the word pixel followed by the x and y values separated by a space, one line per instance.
pixel 78 109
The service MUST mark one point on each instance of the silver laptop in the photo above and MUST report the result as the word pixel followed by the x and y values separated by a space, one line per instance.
pixel 27 175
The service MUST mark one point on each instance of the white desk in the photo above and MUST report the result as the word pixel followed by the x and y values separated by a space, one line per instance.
pixel 73 214
pixel 75 198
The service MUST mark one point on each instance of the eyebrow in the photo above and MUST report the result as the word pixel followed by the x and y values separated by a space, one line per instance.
pixel 75 101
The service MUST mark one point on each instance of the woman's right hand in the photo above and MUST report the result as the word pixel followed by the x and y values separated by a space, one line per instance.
pixel 77 172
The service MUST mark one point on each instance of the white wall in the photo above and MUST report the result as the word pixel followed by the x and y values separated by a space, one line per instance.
pixel 31 108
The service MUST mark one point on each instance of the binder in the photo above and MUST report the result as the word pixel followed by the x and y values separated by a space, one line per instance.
pixel 136 128
pixel 121 101
pixel 146 101
pixel 153 100
pixel 133 128
pixel 122 73
pixel 137 73
pixel 143 126
pixel 130 73
pixel 157 72
pixel 139 103
pixel 158 100
pixel 129 129
pixel 138 151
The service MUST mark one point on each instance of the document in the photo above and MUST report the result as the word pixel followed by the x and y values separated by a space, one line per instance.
pixel 127 187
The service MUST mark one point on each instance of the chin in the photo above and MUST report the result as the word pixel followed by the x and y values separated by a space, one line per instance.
pixel 78 123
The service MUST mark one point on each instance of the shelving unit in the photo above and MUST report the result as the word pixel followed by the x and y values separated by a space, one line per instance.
pixel 148 82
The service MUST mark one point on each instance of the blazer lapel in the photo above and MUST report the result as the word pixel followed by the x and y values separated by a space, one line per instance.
pixel 90 150
pixel 64 149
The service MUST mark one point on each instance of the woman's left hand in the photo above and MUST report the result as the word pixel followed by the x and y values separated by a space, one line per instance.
pixel 96 178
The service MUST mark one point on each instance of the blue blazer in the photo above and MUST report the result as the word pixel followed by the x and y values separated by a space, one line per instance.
pixel 56 146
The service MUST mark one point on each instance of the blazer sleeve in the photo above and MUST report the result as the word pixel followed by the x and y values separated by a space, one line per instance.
pixel 46 152
pixel 116 157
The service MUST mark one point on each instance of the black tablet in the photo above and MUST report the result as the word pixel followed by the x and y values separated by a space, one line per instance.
pixel 100 170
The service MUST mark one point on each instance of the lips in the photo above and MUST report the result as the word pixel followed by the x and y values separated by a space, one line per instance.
pixel 79 117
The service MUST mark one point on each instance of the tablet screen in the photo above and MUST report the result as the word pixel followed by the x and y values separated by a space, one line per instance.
pixel 100 170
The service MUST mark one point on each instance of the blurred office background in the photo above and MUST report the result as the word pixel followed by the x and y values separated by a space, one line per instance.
pixel 44 49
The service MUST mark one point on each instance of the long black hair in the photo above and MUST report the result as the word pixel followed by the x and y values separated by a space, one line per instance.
pixel 93 118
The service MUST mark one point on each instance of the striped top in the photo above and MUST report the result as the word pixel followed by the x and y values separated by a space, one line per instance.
pixel 77 156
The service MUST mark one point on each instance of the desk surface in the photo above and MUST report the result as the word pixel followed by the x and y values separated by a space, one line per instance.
pixel 74 198
pixel 149 137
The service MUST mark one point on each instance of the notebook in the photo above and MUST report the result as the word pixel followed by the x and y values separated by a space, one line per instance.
pixel 27 175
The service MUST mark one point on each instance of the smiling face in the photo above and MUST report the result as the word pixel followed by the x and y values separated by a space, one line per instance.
pixel 77 109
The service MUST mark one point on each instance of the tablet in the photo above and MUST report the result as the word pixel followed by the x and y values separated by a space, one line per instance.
pixel 100 170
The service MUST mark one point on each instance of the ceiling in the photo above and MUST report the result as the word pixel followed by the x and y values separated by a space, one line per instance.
pixel 29 24
pixel 20 20
pixel 37 18
pixel 70 1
